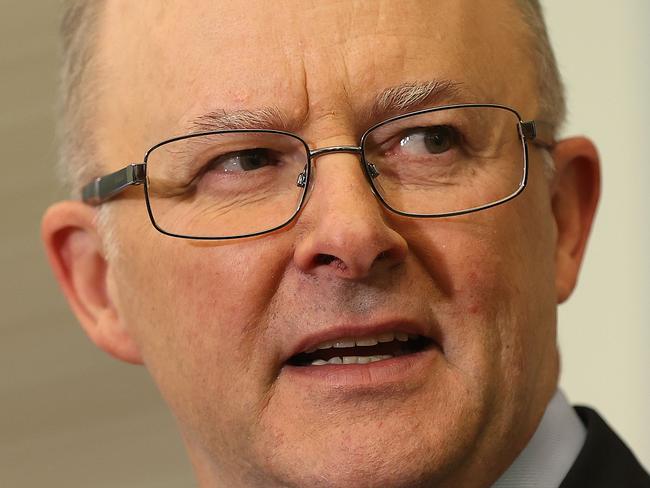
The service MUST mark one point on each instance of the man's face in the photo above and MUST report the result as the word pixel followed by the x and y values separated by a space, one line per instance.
pixel 216 323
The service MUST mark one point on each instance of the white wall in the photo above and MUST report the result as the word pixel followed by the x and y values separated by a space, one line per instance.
pixel 603 48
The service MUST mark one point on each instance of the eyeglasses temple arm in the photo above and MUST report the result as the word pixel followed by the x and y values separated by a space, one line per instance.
pixel 539 133
pixel 106 187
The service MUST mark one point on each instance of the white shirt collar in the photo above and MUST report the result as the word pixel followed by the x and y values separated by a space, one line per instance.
pixel 551 452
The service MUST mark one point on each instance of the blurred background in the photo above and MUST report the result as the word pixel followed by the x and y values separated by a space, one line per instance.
pixel 72 417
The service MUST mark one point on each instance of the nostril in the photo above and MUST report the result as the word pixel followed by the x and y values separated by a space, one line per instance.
pixel 324 258
pixel 327 259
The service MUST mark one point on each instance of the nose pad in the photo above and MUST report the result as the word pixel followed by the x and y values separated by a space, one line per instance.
pixel 301 181
pixel 372 170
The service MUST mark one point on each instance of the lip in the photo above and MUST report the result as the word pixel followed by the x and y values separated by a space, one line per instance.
pixel 361 331
pixel 405 369
pixel 389 375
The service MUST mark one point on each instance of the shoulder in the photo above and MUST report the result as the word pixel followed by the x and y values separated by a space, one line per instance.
pixel 604 460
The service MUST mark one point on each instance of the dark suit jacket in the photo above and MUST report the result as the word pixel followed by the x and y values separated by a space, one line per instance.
pixel 604 461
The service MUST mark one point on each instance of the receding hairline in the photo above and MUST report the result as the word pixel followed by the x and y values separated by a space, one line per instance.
pixel 79 35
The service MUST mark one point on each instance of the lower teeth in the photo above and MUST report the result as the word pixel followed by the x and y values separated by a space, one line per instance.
pixel 351 360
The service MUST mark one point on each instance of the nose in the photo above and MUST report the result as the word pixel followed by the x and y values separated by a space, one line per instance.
pixel 345 230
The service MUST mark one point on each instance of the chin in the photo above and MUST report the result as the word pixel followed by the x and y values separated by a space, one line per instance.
pixel 369 468
pixel 373 449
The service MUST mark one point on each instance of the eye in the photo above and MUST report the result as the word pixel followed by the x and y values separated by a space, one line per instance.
pixel 243 161
pixel 432 140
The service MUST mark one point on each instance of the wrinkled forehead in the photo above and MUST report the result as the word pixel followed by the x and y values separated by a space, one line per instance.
pixel 167 62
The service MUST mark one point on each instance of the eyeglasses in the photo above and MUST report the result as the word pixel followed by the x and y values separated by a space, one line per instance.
pixel 228 184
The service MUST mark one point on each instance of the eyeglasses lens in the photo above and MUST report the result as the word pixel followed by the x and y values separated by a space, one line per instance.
pixel 238 183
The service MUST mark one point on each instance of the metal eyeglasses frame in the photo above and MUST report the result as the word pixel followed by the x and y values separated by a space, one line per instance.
pixel 104 188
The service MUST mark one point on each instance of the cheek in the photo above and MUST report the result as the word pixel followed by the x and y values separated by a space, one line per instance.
pixel 211 293
pixel 199 323
pixel 497 298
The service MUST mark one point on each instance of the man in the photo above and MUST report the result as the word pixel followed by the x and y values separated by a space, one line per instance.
pixel 341 257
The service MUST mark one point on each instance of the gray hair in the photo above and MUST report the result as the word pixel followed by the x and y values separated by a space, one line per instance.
pixel 79 33
pixel 549 80
pixel 79 86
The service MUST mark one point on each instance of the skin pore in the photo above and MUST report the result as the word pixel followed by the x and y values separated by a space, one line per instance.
pixel 215 322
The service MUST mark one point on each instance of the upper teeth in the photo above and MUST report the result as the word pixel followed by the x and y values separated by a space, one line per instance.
pixel 365 341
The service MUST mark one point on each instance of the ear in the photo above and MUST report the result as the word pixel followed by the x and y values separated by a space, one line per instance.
pixel 76 254
pixel 575 194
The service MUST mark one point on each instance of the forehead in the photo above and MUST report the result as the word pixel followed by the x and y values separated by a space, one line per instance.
pixel 309 59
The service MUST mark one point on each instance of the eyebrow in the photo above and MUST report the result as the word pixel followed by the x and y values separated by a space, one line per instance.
pixel 394 100
pixel 220 119
pixel 412 96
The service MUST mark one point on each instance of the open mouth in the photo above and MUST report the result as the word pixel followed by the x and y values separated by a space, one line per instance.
pixel 362 350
